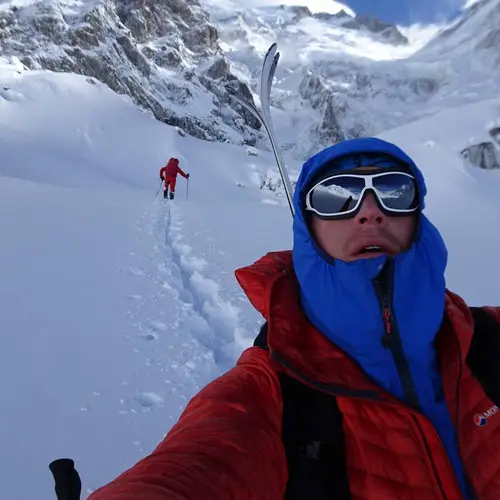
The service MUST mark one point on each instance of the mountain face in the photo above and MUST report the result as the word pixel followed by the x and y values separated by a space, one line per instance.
pixel 476 35
pixel 164 54
pixel 340 75
pixel 386 31
pixel 343 76
pixel 329 79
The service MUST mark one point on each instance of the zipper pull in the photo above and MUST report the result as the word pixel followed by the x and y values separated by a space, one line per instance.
pixel 387 338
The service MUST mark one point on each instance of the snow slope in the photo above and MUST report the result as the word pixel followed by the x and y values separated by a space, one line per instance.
pixel 462 199
pixel 115 308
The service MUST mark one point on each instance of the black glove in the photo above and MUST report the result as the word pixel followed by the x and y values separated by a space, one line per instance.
pixel 187 176
pixel 68 484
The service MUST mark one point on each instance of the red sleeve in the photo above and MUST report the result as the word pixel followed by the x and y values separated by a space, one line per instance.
pixel 180 171
pixel 226 445
pixel 162 171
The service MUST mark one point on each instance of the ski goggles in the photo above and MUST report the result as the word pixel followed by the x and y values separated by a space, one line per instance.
pixel 340 195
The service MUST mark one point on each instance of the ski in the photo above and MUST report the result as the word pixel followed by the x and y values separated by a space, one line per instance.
pixel 264 116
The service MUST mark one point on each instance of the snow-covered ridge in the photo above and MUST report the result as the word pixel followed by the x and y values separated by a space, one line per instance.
pixel 338 78
pixel 341 75
pixel 164 55
pixel 472 41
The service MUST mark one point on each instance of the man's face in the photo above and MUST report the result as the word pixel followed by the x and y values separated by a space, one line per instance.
pixel 350 239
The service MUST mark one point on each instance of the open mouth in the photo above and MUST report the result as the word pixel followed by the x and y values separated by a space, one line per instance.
pixel 373 245
pixel 372 250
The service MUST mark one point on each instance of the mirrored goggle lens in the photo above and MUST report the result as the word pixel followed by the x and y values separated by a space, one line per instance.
pixel 396 191
pixel 339 195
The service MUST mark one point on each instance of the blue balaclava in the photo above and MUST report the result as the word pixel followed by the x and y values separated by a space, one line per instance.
pixel 339 298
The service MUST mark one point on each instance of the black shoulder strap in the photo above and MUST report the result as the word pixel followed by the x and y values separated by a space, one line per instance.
pixel 313 440
pixel 261 339
pixel 484 353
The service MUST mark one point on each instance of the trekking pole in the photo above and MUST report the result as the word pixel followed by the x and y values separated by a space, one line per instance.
pixel 187 188
pixel 68 484
pixel 159 187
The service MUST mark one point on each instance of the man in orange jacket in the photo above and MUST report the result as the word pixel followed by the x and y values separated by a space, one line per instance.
pixel 406 386
pixel 168 174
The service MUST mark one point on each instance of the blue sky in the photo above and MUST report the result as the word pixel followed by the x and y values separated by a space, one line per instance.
pixel 407 12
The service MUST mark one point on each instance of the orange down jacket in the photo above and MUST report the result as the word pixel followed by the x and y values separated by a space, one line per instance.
pixel 227 443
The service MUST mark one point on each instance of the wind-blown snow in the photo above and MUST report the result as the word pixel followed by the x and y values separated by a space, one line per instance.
pixel 470 3
pixel 419 35
pixel 115 307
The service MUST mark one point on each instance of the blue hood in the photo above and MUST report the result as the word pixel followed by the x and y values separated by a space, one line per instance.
pixel 340 300
pixel 339 297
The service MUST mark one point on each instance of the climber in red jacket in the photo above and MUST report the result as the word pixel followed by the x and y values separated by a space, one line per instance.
pixel 168 174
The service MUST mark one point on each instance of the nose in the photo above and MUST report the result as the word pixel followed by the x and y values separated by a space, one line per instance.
pixel 369 212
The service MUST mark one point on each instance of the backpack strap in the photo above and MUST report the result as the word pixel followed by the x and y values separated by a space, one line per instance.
pixel 261 339
pixel 484 352
pixel 312 423
pixel 313 439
